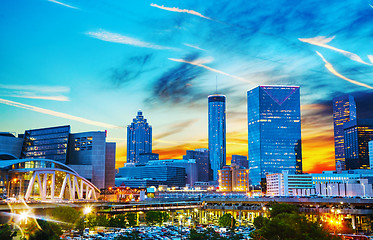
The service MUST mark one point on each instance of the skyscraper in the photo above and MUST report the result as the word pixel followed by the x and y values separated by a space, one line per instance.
pixel 217 133
pixel 357 134
pixel 274 131
pixel 139 138
pixel 344 110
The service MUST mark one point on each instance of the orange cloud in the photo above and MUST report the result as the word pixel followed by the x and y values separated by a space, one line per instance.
pixel 331 69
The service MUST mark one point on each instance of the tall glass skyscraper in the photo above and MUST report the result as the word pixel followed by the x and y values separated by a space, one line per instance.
pixel 217 134
pixel 344 110
pixel 139 138
pixel 274 131
pixel 357 134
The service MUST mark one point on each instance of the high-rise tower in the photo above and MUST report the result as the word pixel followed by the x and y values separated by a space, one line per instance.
pixel 139 138
pixel 217 133
pixel 357 134
pixel 344 110
pixel 274 131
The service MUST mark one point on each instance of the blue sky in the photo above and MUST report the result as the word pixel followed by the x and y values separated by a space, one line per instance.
pixel 93 64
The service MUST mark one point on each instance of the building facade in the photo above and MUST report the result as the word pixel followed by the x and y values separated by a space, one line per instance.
pixel 274 131
pixel 233 179
pixel 110 164
pixel 240 161
pixel 10 144
pixel 50 143
pixel 370 146
pixel 201 156
pixel 189 165
pixel 344 110
pixel 164 175
pixel 144 158
pixel 357 134
pixel 285 184
pixel 139 138
pixel 217 133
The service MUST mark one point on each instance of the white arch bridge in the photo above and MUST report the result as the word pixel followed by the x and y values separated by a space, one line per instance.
pixel 42 179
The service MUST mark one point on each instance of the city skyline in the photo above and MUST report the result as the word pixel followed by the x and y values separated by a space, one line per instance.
pixel 92 65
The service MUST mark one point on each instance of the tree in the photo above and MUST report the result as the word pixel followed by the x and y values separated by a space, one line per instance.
pixel 101 220
pixel 6 232
pixel 162 217
pixel 260 221
pixel 48 231
pixel 68 215
pixel 131 219
pixel 227 220
pixel 118 221
pixel 285 222
pixel 151 217
pixel 277 208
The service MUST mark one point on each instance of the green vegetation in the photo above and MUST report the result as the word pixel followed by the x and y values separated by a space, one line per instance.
pixel 285 222
pixel 67 215
pixel 48 231
pixel 6 232
pixel 227 220
pixel 156 217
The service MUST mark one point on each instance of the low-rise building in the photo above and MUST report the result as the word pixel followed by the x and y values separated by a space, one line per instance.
pixel 285 184
pixel 165 175
pixel 233 179
pixel 190 166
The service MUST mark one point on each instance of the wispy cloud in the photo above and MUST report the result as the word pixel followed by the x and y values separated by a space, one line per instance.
pixel 175 9
pixel 51 89
pixel 56 114
pixel 322 41
pixel 199 64
pixel 31 96
pixel 175 128
pixel 118 38
pixel 332 70
pixel 63 4
pixel 370 58
pixel 54 93
pixel 195 47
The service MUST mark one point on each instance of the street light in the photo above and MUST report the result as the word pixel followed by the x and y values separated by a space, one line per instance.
pixel 24 216
pixel 87 210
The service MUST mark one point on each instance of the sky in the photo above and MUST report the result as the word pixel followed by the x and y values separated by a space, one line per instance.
pixel 93 64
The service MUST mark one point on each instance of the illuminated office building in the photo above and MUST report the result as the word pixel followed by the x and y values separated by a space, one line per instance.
pixel 139 138
pixel 201 155
pixel 233 179
pixel 217 133
pixel 49 143
pixel 240 161
pixel 357 134
pixel 274 131
pixel 87 153
pixel 344 110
